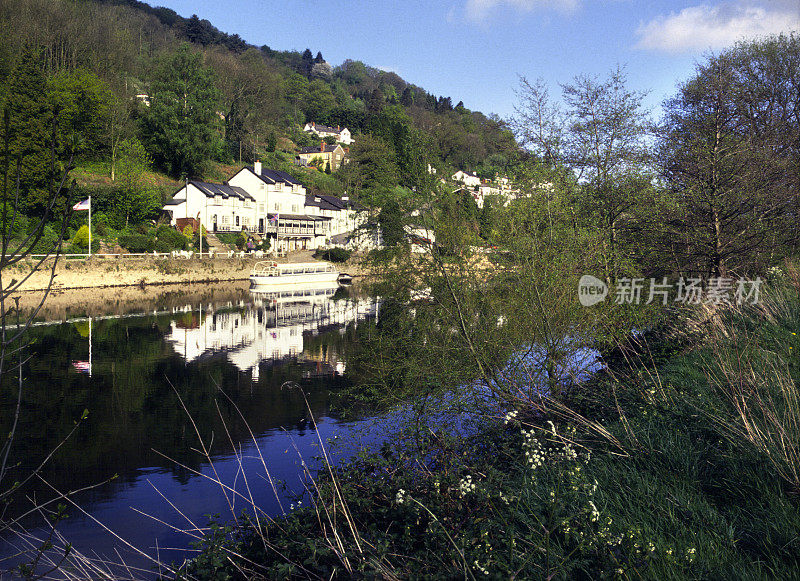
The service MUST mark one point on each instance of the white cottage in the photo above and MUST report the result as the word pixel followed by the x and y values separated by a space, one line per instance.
pixel 219 207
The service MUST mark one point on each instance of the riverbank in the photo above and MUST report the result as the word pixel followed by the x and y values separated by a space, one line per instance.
pixel 651 470
pixel 113 272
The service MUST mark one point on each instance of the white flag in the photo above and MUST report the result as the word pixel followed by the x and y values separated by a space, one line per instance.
pixel 84 205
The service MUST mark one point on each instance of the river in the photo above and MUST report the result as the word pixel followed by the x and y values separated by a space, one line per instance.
pixel 255 375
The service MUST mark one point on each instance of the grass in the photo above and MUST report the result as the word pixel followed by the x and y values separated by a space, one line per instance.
pixel 680 462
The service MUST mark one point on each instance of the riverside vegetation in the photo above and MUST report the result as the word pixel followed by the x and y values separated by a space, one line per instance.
pixel 518 455
pixel 678 460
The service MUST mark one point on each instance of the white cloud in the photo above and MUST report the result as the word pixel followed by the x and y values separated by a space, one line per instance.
pixel 479 10
pixel 702 27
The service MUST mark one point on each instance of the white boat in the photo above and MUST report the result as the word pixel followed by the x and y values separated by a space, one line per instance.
pixel 270 276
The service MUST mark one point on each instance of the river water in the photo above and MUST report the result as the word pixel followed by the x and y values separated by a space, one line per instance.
pixel 255 375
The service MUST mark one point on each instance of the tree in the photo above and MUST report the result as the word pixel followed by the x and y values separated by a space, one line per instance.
pixel 306 63
pixel 83 102
pixel 134 200
pixel 30 115
pixel 407 98
pixel 729 151
pixel 371 173
pixel 601 136
pixel 180 127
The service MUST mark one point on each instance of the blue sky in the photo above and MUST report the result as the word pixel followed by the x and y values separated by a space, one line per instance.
pixel 474 50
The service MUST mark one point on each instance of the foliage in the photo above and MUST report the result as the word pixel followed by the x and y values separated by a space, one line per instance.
pixel 81 238
pixel 644 479
pixel 30 114
pixel 333 254
pixel 137 243
pixel 134 200
pixel 169 239
pixel 728 142
pixel 180 125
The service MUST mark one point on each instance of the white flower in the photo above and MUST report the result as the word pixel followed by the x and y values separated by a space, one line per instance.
pixel 465 486
pixel 400 497
pixel 510 416
pixel 595 514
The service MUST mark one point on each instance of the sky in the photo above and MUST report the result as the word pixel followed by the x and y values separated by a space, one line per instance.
pixel 475 50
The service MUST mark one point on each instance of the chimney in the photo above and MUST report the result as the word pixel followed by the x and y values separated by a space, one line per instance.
pixel 337 128
pixel 322 147
pixel 257 167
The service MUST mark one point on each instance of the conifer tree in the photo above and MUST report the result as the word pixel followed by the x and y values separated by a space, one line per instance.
pixel 30 115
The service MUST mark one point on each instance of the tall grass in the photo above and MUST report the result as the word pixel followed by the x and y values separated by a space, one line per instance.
pixel 753 369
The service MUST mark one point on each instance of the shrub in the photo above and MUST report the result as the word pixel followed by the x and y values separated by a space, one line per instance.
pixel 169 239
pixel 334 254
pixel 241 240
pixel 81 238
pixel 229 238
pixel 137 243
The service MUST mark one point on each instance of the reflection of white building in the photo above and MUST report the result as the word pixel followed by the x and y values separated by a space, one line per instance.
pixel 270 329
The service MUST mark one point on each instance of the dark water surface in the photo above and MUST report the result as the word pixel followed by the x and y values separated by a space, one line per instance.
pixel 150 369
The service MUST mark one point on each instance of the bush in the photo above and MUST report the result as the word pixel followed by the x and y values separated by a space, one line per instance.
pixel 137 243
pixel 169 239
pixel 81 238
pixel 229 238
pixel 188 232
pixel 333 254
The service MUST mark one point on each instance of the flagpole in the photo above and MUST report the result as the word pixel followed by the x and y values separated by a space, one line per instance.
pixel 90 246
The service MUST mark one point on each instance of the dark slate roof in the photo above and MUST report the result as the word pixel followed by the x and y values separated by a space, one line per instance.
pixel 224 190
pixel 319 202
pixel 274 176
pixel 339 203
pixel 175 202
pixel 313 149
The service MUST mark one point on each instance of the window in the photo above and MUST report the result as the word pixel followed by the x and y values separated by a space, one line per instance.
pixel 225 219
pixel 261 208
pixel 276 206
pixel 294 207
pixel 237 220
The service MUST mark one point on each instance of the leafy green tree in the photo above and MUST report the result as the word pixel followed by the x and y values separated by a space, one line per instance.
pixel 30 113
pixel 271 142
pixel 602 137
pixel 134 201
pixel 372 173
pixel 319 101
pixel 392 222
pixel 180 127
pixel 84 103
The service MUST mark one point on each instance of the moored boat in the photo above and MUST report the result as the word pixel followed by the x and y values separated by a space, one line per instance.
pixel 270 275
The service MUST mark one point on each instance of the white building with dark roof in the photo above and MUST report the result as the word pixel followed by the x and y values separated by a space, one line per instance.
pixel 221 207
pixel 342 134
pixel 267 202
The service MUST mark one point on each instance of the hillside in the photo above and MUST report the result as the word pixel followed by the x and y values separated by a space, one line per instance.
pixel 261 96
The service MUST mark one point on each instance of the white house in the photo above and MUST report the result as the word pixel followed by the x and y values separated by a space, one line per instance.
pixel 467 178
pixel 270 203
pixel 220 207
pixel 281 208
pixel 342 134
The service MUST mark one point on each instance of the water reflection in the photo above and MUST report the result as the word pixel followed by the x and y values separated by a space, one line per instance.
pixel 146 368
